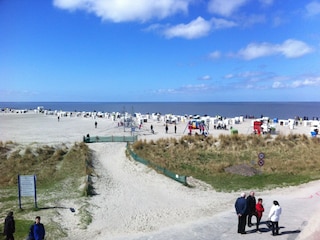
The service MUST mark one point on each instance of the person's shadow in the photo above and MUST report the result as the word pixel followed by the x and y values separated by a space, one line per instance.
pixel 265 226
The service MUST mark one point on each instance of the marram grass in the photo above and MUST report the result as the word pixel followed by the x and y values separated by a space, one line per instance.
pixel 289 160
pixel 60 171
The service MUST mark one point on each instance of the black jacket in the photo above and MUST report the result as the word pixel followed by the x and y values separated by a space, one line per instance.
pixel 9 225
pixel 251 204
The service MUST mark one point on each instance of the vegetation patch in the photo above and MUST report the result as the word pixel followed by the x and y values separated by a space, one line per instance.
pixel 60 171
pixel 243 169
pixel 230 162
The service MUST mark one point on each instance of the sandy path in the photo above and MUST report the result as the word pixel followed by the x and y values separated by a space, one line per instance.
pixel 134 202
pixel 133 199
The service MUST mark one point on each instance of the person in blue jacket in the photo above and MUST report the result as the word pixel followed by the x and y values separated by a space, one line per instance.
pixel 241 210
pixel 37 231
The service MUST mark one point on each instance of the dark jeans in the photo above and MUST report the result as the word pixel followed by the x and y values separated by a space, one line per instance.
pixel 258 222
pixel 275 228
pixel 250 217
pixel 242 221
pixel 9 237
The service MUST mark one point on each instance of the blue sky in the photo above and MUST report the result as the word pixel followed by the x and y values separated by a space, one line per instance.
pixel 159 50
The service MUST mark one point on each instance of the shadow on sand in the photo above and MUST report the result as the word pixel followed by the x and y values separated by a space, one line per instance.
pixel 263 229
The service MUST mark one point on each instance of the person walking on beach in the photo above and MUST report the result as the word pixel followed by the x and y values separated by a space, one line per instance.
pixel 251 207
pixel 241 210
pixel 274 216
pixel 259 212
pixel 175 128
pixel 151 127
pixel 167 128
pixel 37 231
pixel 95 124
pixel 9 226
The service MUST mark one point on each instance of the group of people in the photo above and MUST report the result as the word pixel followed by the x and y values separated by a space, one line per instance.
pixel 36 231
pixel 247 207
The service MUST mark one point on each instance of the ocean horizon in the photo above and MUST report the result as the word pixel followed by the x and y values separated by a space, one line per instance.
pixel 281 110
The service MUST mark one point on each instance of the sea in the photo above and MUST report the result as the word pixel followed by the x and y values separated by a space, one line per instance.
pixel 280 110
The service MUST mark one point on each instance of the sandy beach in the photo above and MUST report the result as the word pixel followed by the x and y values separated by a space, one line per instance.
pixel 134 202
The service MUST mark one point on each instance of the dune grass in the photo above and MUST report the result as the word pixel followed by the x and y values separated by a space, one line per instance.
pixel 289 160
pixel 21 227
pixel 60 171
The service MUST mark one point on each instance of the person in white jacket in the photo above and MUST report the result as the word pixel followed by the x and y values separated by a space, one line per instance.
pixel 274 216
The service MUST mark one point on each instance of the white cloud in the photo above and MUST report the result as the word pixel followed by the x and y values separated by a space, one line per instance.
pixel 278 85
pixel 267 80
pixel 195 88
pixel 230 9
pixel 278 21
pixel 313 8
pixel 254 50
pixel 247 80
pixel 249 74
pixel 293 48
pixel 219 23
pixel 298 82
pixel 308 81
pixel 225 7
pixel 253 19
pixel 290 49
pixel 205 78
pixel 215 55
pixel 195 29
pixel 126 10
pixel 187 89
pixel 229 76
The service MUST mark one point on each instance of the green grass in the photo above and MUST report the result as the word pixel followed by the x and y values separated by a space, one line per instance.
pixel 60 171
pixel 289 160
pixel 22 229
pixel 233 182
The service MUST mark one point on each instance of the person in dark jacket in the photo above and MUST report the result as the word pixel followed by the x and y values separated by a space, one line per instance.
pixel 241 210
pixel 9 226
pixel 37 231
pixel 251 207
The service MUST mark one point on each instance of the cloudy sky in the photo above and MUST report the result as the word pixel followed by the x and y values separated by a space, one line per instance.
pixel 159 50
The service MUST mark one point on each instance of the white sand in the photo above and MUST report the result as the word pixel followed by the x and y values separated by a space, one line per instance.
pixel 135 202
